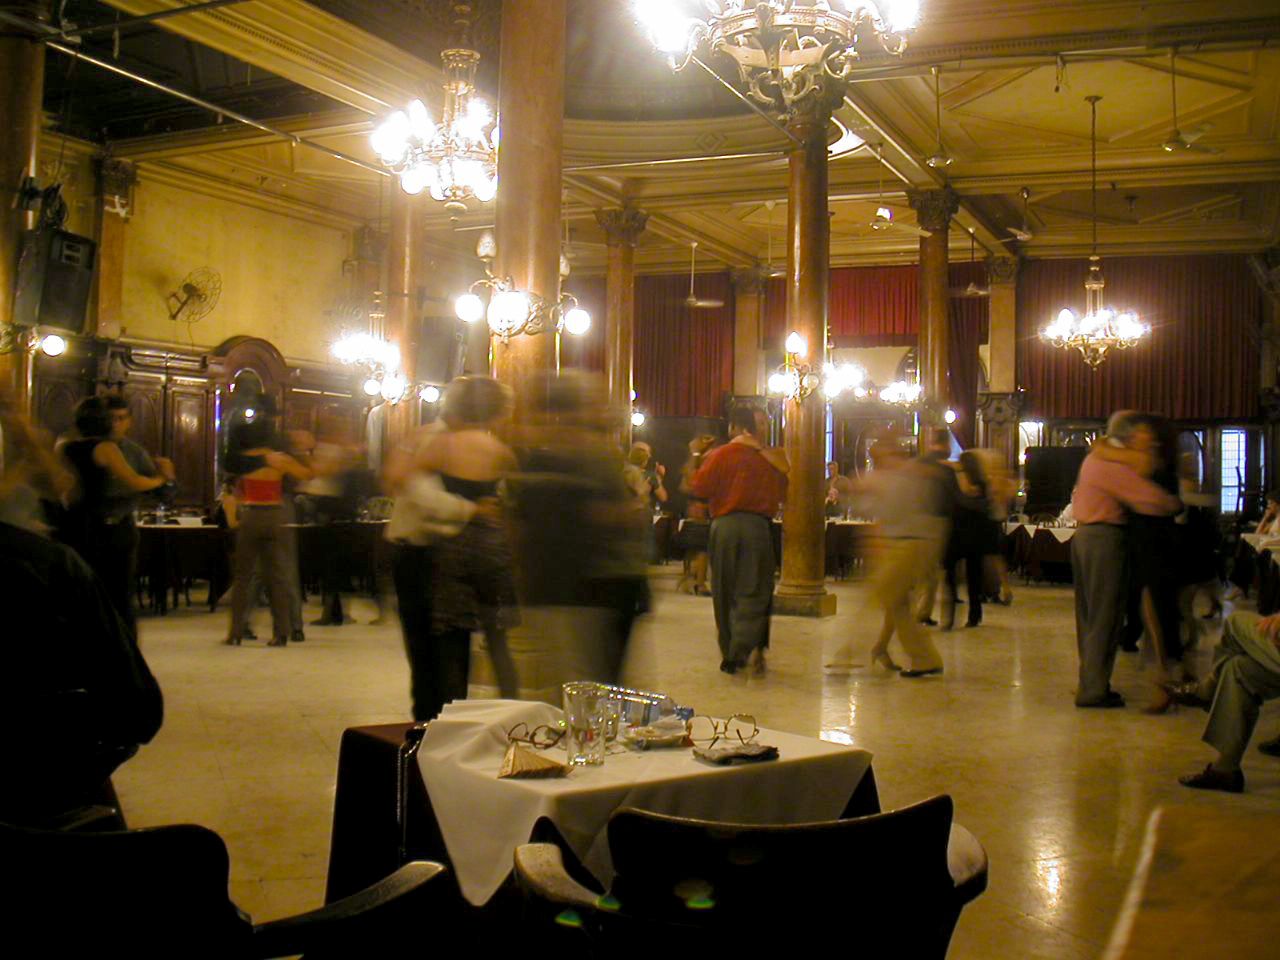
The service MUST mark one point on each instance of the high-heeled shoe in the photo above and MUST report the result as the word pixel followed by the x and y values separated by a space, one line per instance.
pixel 1186 694
pixel 232 641
pixel 277 641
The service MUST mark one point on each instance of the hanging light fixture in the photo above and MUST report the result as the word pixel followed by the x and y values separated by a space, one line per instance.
pixel 455 160
pixel 782 48
pixel 1100 329
pixel 796 379
pixel 511 311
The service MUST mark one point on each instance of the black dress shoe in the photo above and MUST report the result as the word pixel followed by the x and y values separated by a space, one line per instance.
pixel 297 636
pixel 1211 779
pixel 929 621
pixel 930 672
pixel 1270 747
pixel 249 634
pixel 1187 695
pixel 1111 701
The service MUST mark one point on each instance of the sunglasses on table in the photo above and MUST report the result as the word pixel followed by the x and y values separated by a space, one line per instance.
pixel 739 728
pixel 541 737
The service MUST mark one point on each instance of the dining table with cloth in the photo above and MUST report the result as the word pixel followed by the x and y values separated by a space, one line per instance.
pixel 1032 548
pixel 384 813
pixel 483 819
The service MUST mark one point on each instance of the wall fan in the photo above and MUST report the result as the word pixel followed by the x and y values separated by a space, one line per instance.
pixel 1178 140
pixel 196 296
pixel 693 301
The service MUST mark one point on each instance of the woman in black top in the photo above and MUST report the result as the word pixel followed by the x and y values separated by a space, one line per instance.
pixel 973 537
pixel 99 523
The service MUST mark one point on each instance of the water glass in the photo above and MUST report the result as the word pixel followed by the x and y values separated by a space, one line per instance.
pixel 585 713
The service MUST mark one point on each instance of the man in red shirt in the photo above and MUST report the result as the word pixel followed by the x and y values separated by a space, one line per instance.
pixel 743 483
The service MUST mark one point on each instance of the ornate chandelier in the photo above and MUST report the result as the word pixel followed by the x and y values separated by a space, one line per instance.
pixel 1100 329
pixel 796 380
pixel 455 160
pixel 511 311
pixel 782 48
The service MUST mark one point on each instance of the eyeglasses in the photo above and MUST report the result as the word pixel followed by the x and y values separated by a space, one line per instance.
pixel 541 737
pixel 740 727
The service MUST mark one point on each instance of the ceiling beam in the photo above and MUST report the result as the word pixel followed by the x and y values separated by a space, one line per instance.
pixel 236 137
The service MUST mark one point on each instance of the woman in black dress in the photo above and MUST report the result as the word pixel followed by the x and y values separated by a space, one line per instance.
pixel 973 536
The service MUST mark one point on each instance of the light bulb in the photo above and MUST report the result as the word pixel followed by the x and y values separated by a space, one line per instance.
pixel 487 246
pixel 778 383
pixel 633 396
pixel 637 419
pixel 53 345
pixel 469 308
pixel 429 394
pixel 796 344
pixel 577 321
pixel 902 15
pixel 413 181
pixel 508 311
pixel 373 386
pixel 420 121
pixel 949 416
pixel 250 413
pixel 665 23
pixel 393 386
pixel 486 188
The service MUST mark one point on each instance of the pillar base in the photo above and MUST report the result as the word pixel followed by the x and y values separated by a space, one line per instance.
pixel 804 604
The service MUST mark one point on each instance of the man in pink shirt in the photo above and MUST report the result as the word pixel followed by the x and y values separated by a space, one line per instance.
pixel 1105 493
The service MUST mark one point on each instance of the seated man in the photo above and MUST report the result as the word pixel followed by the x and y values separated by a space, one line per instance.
pixel 1246 673
pixel 77 697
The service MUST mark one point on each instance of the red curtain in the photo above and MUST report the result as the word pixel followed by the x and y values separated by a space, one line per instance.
pixel 968 329
pixel 586 352
pixel 867 307
pixel 684 357
pixel 1198 362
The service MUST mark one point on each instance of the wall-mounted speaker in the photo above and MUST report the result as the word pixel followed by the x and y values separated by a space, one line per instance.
pixel 55 276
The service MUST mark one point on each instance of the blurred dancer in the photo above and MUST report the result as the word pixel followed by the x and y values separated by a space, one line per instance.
pixel 695 529
pixel 743 484
pixel 471 583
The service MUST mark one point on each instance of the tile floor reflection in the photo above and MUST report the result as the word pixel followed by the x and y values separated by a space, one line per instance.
pixel 1058 796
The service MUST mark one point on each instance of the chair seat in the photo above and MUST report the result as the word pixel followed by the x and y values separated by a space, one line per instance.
pixel 967 863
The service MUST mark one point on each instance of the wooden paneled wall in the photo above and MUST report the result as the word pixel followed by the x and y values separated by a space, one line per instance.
pixel 175 396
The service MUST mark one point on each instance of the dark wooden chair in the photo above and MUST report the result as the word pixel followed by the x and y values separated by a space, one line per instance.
pixel 162 892
pixel 891 884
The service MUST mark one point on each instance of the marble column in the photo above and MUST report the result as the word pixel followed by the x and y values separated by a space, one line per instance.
pixel 527 224
pixel 21 94
pixel 748 328
pixel 802 589
pixel 1000 405
pixel 116 181
pixel 934 209
pixel 401 301
pixel 622 228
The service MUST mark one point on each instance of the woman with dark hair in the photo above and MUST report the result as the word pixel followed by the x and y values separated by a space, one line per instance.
pixel 262 543
pixel 99 521
pixel 973 536
pixel 472 585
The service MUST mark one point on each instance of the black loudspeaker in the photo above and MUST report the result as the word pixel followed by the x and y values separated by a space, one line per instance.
pixel 1051 476
pixel 55 275
pixel 441 350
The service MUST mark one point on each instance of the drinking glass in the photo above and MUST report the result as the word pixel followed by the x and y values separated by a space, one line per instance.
pixel 585 711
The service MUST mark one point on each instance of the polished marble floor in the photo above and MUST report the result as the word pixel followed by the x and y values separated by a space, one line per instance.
pixel 1058 796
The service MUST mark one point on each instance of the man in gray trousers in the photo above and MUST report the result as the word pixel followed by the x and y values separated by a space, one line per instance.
pixel 1246 673
pixel 1104 491
pixel 743 483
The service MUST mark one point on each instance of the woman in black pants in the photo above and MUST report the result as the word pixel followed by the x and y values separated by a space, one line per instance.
pixel 99 523
pixel 974 535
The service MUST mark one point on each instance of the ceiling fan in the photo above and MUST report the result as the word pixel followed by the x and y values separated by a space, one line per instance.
pixel 1178 140
pixel 883 219
pixel 1024 234
pixel 972 290
pixel 939 159
pixel 693 301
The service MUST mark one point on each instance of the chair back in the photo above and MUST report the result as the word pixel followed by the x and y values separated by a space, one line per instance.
pixel 137 893
pixel 739 883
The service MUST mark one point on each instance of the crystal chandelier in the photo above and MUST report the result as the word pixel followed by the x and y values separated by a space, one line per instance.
pixel 796 380
pixel 371 349
pixel 782 48
pixel 1100 329
pixel 455 160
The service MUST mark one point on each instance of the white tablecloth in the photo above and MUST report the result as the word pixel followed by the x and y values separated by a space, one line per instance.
pixel 1061 534
pixel 483 819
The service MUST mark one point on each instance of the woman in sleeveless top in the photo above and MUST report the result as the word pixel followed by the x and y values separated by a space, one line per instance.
pixel 472 587
pixel 99 523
